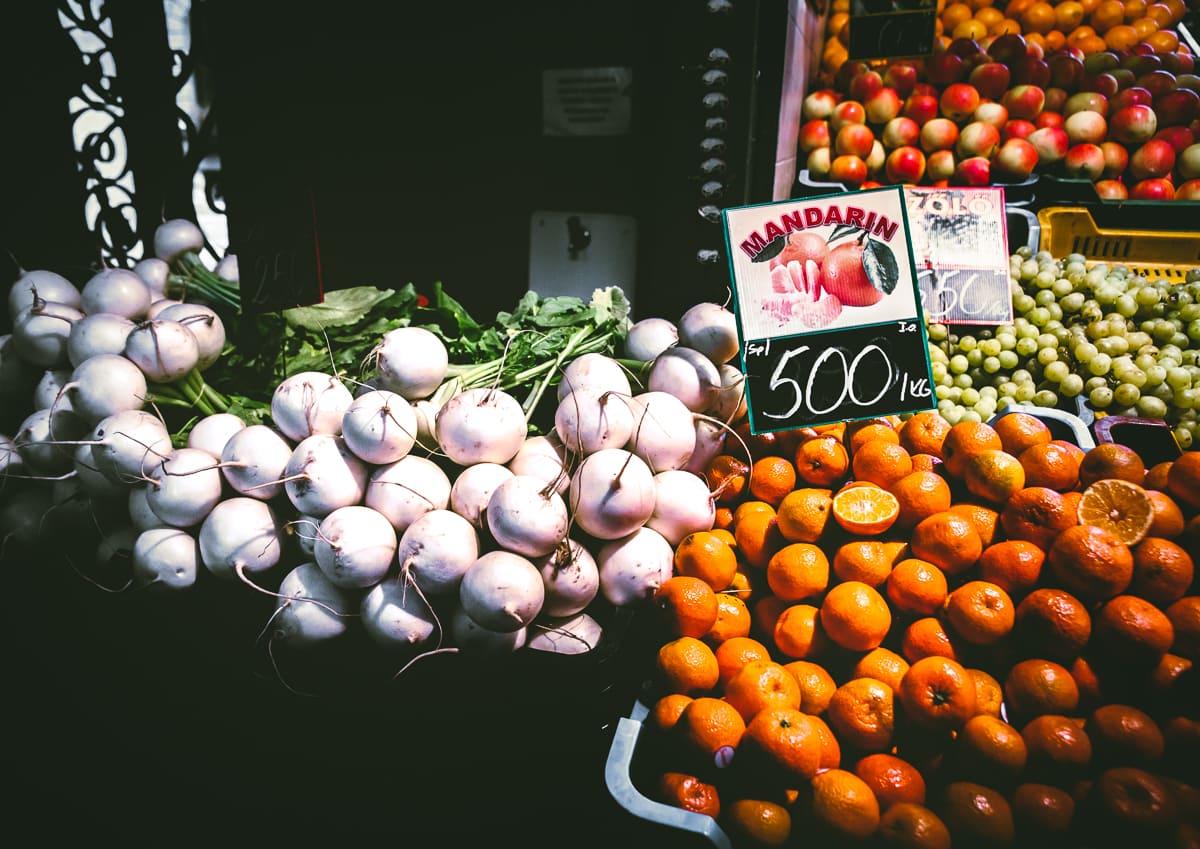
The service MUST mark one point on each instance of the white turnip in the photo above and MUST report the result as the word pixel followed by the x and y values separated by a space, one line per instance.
pixel 175 237
pixel 98 486
pixel 730 403
pixel 205 325
pixel 165 351
pixel 308 403
pixel 165 557
pixel 312 608
pixel 103 385
pixel 254 460
pixel 481 425
pixel 185 487
pixel 634 566
pixel 612 493
pixel 576 634
pixel 527 516
pixel 649 337
pixel 664 433
pixel 712 330
pixel 436 550
pixel 410 361
pixel 546 458
pixel 154 273
pixel 379 426
pixel 227 268
pixel 322 475
pixel 116 290
pixel 140 514
pixel 355 546
pixel 10 458
pixel 688 375
pixel 41 285
pixel 408 489
pixel 48 389
pixel 97 333
pixel 596 370
pixel 39 440
pixel 395 615
pixel 683 504
pixel 473 487
pixel 240 536
pixel 40 333
pixel 127 446
pixel 159 306
pixel 212 432
pixel 472 638
pixel 571 579
pixel 502 591
pixel 591 419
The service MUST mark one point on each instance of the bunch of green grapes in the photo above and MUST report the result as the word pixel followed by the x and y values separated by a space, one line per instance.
pixel 1116 341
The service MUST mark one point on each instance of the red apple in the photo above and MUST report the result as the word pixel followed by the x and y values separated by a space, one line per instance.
pixel 1084 161
pixel 1024 101
pixel 1156 188
pixel 1188 191
pixel 901 131
pixel 920 107
pixel 814 134
pixel 853 140
pixel 1089 101
pixel 1015 159
pixel 1133 124
pixel 942 69
pixel 992 113
pixel 846 112
pixel 876 159
pixel 848 169
pixel 990 79
pixel 1056 99
pixel 847 71
pixel 1155 158
pixel 1101 61
pixel 1158 83
pixel 901 77
pixel 964 47
pixel 1051 144
pixel 1132 96
pixel 940 165
pixel 882 106
pixel 1188 162
pixel 1007 48
pixel 1066 71
pixel 1179 138
pixel 818 163
pixel 939 134
pixel 1016 128
pixel 819 104
pixel 844 276
pixel 973 171
pixel 1178 106
pixel 1111 190
pixel 1105 83
pixel 1116 159
pixel 926 89
pixel 862 85
pixel 1049 119
pixel 1031 70
pixel 905 165
pixel 958 101
pixel 977 139
pixel 1086 126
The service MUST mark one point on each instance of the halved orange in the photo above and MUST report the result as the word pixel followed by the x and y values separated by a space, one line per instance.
pixel 1119 506
pixel 865 509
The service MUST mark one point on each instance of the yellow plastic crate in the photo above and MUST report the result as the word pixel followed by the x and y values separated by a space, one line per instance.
pixel 1154 254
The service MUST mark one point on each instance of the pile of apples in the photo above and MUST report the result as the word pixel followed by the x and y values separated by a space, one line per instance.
pixel 1001 109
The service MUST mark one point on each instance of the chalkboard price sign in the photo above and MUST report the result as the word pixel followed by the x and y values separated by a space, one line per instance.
pixel 828 310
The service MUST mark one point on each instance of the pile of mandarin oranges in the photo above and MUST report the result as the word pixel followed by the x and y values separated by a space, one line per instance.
pixel 900 632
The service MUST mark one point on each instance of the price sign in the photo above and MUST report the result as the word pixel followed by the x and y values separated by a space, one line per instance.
pixel 960 245
pixel 828 309
pixel 888 29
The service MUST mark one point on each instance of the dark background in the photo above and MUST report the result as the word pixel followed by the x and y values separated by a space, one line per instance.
pixel 414 132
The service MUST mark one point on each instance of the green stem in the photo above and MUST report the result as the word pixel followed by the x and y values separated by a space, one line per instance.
pixel 539 388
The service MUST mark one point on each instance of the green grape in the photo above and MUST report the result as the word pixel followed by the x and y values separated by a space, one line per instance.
pixel 986 407
pixel 970 416
pixel 991 365
pixel 1126 394
pixel 1185 399
pixel 1189 312
pixel 1024 303
pixel 966 343
pixel 962 381
pixel 1027 346
pixel 938 370
pixel 1062 335
pixel 969 397
pixel 1072 302
pixel 1146 296
pixel 944 392
pixel 1100 364
pixel 1179 378
pixel 1039 316
pixel 1056 371
pixel 1137 339
pixel 1044 298
pixel 954 414
pixel 1021 375
pixel 1151 407
pixel 1155 374
pixel 1180 339
pixel 990 347
pixel 974 358
pixel 1045 398
pixel 1029 270
pixel 1093 382
pixel 1025 391
pixel 1007 389
pixel 1070 386
pixel 1085 352
pixel 1184 437
pixel 937 355
pixel 1127 305
pixel 988 392
pixel 1008 359
pixel 1191 357
pixel 1101 397
pixel 944 404
pixel 1162 392
pixel 1007 340
pixel 1062 287
pixel 1028 330
pixel 938 332
pixel 1046 356
pixel 958 364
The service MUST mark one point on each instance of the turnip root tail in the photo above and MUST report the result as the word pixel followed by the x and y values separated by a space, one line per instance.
pixel 74 568
pixel 564 632
pixel 733 432
pixel 441 650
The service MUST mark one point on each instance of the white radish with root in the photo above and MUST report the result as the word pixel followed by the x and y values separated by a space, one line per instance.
pixel 730 403
pixel 140 514
pixel 395 615
pixel 165 351
pixel 410 361
pixel 577 634
pixel 380 427
pixel 40 333
pixel 527 516
pixel 472 638
pixel 92 481
pixel 649 337
pixel 185 487
pixel 633 567
pixel 309 403
pixel 612 493
pixel 323 475
pixel 160 306
pixel 436 550
pixel 41 285
pixel 355 546
pixel 481 425
pixel 711 436
pixel 48 389
pixel 103 385
pixel 664 433
pixel 115 290
pixel 240 537
pixel 127 446
pixel 154 273
pixel 712 330
pixel 408 489
pixel 165 557
pixel 303 529
pixel 571 579
pixel 176 237
pixel 688 375
pixel 311 609
pixel 212 433
pixel 473 488
pixel 546 458
pixel 502 591
pixel 40 440
pixel 596 370
pixel 591 419
pixel 683 504
pixel 205 325
pixel 254 460
pixel 98 333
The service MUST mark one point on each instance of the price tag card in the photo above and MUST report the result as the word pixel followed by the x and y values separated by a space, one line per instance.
pixel 890 29
pixel 828 310
pixel 960 245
